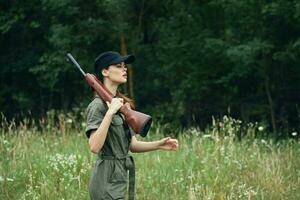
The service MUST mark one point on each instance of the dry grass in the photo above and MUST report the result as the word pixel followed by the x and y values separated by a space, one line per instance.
pixel 54 162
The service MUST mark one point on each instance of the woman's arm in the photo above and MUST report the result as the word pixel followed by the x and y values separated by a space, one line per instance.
pixel 97 137
pixel 163 144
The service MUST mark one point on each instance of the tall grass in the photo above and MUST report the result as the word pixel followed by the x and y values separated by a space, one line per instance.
pixel 50 159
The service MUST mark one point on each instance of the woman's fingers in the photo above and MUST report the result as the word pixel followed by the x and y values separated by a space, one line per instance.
pixel 174 143
pixel 115 104
pixel 127 105
pixel 170 143
pixel 117 101
pixel 165 140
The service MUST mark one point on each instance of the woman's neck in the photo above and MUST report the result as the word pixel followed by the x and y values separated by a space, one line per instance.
pixel 112 87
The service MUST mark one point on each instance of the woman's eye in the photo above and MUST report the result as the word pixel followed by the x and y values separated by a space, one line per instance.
pixel 120 66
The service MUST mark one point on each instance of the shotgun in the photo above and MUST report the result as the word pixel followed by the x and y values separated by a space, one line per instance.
pixel 138 121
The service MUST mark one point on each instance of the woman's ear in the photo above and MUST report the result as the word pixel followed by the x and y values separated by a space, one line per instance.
pixel 104 72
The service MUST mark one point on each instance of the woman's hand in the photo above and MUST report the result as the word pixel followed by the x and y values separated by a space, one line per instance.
pixel 168 144
pixel 115 105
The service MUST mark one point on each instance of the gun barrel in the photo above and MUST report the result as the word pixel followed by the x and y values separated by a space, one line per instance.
pixel 72 59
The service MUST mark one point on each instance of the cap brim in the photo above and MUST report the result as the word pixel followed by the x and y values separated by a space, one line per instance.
pixel 126 59
pixel 129 59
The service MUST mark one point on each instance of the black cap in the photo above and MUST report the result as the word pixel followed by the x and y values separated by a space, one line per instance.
pixel 111 58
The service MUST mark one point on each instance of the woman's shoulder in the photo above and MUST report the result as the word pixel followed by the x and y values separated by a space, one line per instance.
pixel 97 103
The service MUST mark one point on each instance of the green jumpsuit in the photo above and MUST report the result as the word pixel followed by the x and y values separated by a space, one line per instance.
pixel 110 173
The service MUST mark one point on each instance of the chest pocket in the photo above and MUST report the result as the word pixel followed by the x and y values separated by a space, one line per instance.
pixel 119 125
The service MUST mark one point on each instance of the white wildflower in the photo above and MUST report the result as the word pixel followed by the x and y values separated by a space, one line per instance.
pixel 10 179
pixel 69 121
pixel 260 128
pixel 263 141
pixel 294 134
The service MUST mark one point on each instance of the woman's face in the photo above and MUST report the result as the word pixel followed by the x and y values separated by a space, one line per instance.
pixel 116 73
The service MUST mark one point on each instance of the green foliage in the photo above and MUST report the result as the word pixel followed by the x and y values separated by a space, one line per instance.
pixel 195 59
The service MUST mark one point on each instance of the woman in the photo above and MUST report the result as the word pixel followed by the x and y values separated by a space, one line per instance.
pixel 109 135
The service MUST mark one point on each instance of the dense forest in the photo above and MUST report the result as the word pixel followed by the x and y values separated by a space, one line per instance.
pixel 194 59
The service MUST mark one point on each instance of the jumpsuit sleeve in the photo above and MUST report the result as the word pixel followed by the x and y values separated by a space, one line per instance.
pixel 95 113
pixel 132 133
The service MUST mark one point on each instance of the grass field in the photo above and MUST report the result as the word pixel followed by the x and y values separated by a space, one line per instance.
pixel 54 162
